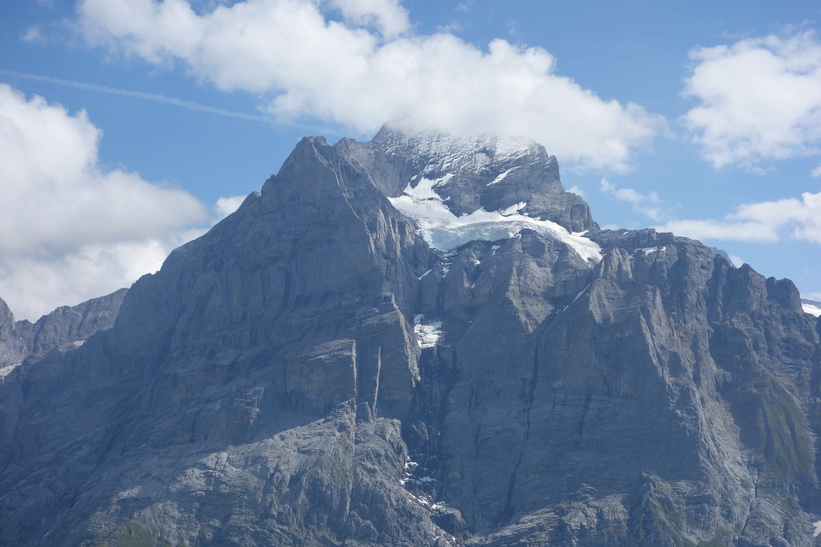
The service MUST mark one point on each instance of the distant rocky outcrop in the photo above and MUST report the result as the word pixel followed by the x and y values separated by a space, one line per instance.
pixel 64 329
pixel 13 347
pixel 331 365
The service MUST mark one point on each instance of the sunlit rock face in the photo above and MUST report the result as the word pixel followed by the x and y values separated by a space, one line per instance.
pixel 422 340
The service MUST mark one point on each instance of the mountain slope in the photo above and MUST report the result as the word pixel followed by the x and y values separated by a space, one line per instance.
pixel 63 329
pixel 424 340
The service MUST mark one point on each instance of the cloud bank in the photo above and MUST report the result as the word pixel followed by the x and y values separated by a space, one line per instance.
pixel 70 230
pixel 762 222
pixel 359 64
pixel 759 99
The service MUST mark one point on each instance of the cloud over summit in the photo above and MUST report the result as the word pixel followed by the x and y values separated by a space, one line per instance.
pixel 369 68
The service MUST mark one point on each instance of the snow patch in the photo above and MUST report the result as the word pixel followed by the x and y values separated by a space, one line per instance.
pixel 817 526
pixel 581 292
pixel 78 343
pixel 452 152
pixel 500 178
pixel 651 250
pixel 6 370
pixel 410 467
pixel 444 231
pixel 427 334
pixel 513 209
pixel 512 147
pixel 424 188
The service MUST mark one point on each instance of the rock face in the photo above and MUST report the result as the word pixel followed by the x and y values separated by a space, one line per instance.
pixel 12 344
pixel 331 365
pixel 63 329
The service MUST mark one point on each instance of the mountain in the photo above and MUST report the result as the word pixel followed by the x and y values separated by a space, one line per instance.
pixel 63 329
pixel 424 340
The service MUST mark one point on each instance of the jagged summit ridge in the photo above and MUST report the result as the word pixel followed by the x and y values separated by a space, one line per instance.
pixel 472 174
pixel 442 153
pixel 462 189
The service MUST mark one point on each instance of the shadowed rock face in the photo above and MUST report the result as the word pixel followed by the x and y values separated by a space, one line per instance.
pixel 312 372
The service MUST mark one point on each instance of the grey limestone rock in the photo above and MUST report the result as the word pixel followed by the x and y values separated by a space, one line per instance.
pixel 12 342
pixel 64 329
pixel 312 372
pixel 479 172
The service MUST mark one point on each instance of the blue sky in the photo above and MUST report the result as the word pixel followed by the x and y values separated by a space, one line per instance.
pixel 131 126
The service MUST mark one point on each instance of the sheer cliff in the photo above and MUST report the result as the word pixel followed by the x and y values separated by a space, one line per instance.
pixel 424 340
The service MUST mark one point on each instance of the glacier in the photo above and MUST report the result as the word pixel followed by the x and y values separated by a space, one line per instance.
pixel 445 231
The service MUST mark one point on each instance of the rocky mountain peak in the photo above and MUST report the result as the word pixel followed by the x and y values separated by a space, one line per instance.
pixel 437 154
pixel 424 340
pixel 12 344
pixel 483 173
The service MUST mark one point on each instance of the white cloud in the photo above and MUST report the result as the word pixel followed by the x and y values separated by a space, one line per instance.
pixel 649 205
pixel 69 230
pixel 816 172
pixel 512 26
pixel 737 261
pixel 33 35
pixel 724 230
pixel 226 206
pixel 303 65
pixel 387 15
pixel 576 190
pixel 762 222
pixel 760 99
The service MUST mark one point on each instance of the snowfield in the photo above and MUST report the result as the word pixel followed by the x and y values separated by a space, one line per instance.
pixel 443 230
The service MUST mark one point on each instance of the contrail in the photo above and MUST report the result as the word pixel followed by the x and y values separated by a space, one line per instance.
pixel 156 97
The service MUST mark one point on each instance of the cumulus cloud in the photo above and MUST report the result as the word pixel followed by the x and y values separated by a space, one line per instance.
pixel 649 205
pixel 227 205
pixel 759 99
pixel 386 15
pixel 762 222
pixel 70 230
pixel 305 65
